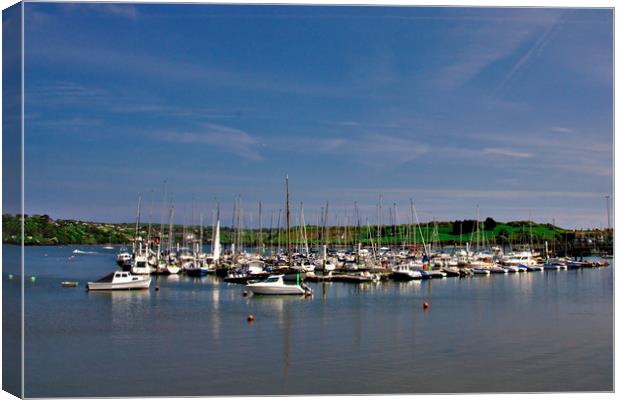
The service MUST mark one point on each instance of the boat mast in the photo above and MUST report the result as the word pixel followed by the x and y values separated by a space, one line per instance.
pixel 259 240
pixel 271 235
pixel 418 223
pixel 531 238
pixel 137 225
pixel 163 217
pixel 201 233
pixel 170 235
pixel 288 226
pixel 303 229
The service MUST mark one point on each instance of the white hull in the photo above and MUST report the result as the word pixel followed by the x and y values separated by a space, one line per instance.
pixel 140 284
pixel 173 269
pixel 141 271
pixel 275 285
pixel 276 289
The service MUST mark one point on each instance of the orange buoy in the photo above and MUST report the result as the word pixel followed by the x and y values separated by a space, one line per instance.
pixel 425 305
pixel 250 318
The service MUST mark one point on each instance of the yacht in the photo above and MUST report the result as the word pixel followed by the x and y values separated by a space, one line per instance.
pixel 196 269
pixel 120 280
pixel 123 259
pixel 140 266
pixel 274 284
pixel 524 258
pixel 404 273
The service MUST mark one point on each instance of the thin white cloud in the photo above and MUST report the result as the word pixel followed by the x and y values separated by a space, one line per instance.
pixel 374 149
pixel 112 9
pixel 492 41
pixel 231 140
pixel 535 50
pixel 506 153
pixel 561 129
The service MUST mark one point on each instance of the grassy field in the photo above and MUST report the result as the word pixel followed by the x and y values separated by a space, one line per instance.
pixel 42 230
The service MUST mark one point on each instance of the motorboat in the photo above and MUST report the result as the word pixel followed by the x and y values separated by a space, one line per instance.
pixel 496 269
pixel 554 266
pixel 329 266
pixel 120 280
pixel 196 269
pixel 140 266
pixel 451 271
pixel 404 273
pixel 172 268
pixel 123 260
pixel 522 268
pixel 525 258
pixel 428 274
pixel 481 271
pixel 274 285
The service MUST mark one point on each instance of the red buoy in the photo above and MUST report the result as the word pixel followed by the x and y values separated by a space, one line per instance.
pixel 425 305
pixel 157 288
pixel 250 318
pixel 245 293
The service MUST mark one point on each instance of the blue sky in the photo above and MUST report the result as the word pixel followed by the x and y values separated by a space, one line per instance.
pixel 508 109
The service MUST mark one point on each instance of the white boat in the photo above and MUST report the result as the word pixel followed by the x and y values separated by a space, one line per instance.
pixel 525 258
pixel 141 266
pixel 123 260
pixel 404 273
pixel 172 268
pixel 480 271
pixel 120 280
pixel 274 284
pixel 329 266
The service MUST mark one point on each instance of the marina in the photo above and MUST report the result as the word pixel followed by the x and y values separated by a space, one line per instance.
pixel 302 344
pixel 307 199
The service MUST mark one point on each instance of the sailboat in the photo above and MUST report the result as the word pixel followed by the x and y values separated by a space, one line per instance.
pixel 109 245
pixel 274 284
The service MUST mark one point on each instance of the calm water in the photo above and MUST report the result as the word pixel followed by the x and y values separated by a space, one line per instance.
pixel 546 331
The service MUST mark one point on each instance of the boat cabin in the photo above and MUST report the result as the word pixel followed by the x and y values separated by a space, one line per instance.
pixel 118 276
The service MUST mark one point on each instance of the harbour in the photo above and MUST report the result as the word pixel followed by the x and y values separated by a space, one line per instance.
pixel 302 200
pixel 497 332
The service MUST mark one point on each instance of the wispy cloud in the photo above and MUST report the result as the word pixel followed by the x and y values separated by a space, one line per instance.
pixel 107 60
pixel 66 93
pixel 506 153
pixel 561 129
pixel 112 9
pixel 231 140
pixel 372 149
pixel 491 41
pixel 64 123
pixel 535 49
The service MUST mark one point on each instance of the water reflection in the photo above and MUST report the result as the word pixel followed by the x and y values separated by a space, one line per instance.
pixel 128 310
pixel 539 330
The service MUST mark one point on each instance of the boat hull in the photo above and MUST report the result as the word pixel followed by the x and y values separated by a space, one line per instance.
pixel 197 272
pixel 406 276
pixel 134 285
pixel 277 290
